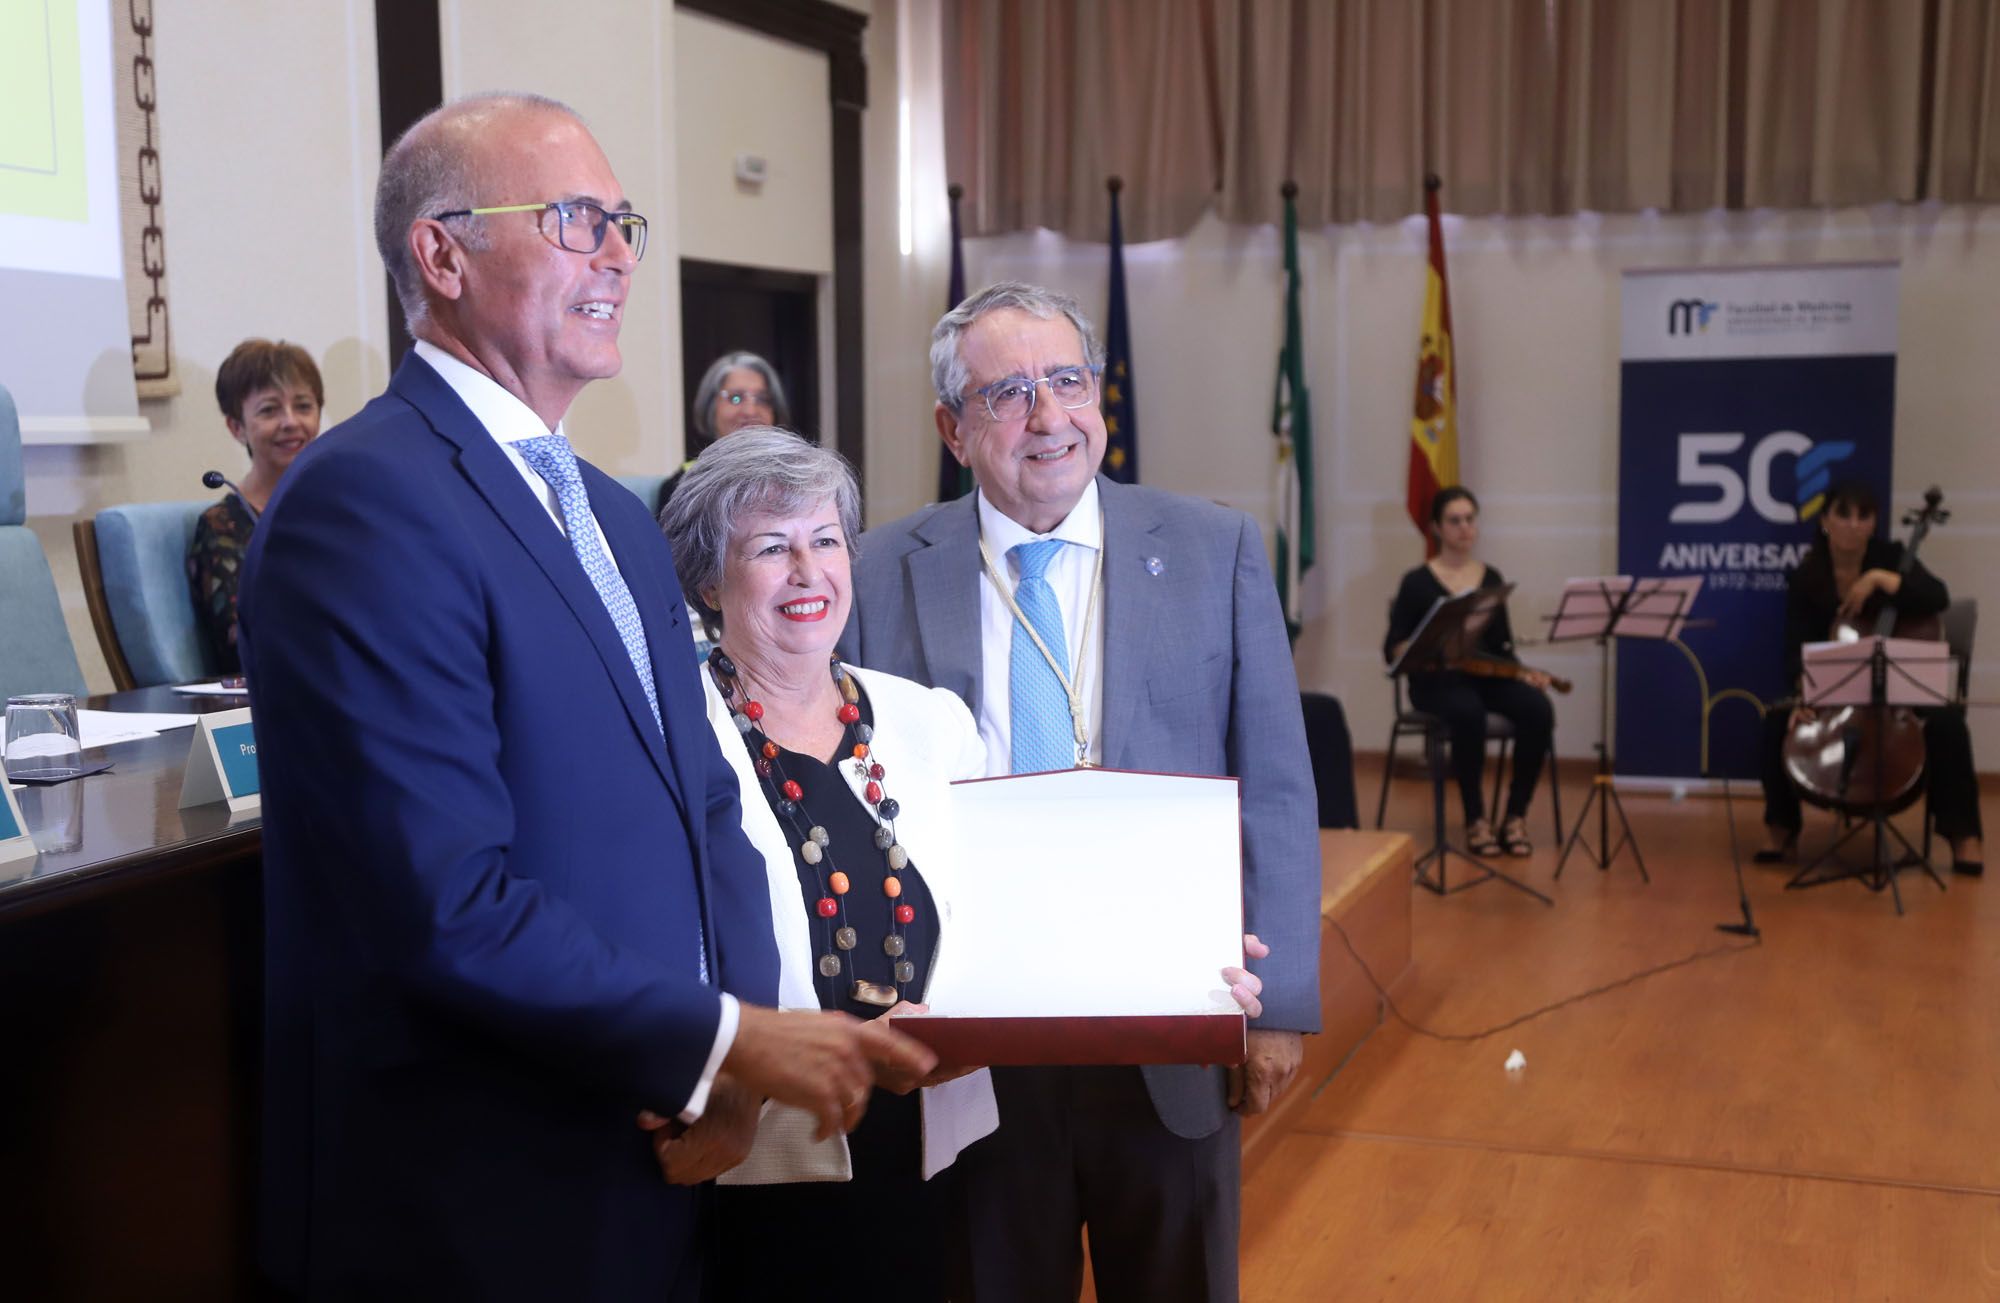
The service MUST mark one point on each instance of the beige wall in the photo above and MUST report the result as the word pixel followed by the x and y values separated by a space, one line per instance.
pixel 616 70
pixel 270 143
pixel 1535 307
pixel 905 293
pixel 295 134
pixel 736 92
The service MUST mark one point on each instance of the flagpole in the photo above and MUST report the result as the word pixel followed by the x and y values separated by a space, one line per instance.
pixel 1288 470
pixel 954 480
pixel 1120 410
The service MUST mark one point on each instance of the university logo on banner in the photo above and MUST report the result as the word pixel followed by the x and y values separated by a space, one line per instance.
pixel 1744 393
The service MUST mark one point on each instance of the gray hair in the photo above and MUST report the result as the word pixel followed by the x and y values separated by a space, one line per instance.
pixel 711 385
pixel 428 171
pixel 760 468
pixel 949 375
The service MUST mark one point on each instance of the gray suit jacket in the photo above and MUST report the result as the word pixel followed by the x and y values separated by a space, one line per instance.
pixel 1197 679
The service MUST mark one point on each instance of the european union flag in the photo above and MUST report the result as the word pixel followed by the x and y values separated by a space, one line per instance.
pixel 954 480
pixel 1121 426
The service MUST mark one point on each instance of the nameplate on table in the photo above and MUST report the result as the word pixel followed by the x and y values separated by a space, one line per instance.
pixel 222 763
pixel 1093 913
pixel 15 843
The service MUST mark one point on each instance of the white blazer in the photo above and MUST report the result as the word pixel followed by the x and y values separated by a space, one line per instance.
pixel 926 739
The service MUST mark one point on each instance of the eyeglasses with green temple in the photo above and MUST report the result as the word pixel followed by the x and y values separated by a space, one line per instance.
pixel 580 224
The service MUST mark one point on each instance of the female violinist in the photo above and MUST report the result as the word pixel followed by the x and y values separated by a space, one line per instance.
pixel 1848 569
pixel 1463 700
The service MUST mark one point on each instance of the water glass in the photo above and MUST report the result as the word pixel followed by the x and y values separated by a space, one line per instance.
pixel 54 815
pixel 42 739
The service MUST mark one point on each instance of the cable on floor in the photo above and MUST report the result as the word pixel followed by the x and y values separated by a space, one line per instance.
pixel 1389 1001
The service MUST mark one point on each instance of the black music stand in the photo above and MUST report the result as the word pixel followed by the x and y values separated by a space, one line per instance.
pixel 1600 609
pixel 1449 632
pixel 1834 677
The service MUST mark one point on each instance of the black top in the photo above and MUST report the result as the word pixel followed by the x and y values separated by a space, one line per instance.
pixel 1811 602
pixel 214 568
pixel 829 802
pixel 1421 590
pixel 668 487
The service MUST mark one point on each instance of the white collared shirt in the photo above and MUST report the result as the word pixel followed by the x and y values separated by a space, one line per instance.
pixel 509 421
pixel 1070 575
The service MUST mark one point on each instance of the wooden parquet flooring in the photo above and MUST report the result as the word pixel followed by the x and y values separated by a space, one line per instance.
pixel 1816 1117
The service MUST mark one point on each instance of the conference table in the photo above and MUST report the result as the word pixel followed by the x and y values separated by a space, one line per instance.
pixel 130 1031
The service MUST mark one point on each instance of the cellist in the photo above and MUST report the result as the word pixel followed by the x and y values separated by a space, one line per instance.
pixel 1845 568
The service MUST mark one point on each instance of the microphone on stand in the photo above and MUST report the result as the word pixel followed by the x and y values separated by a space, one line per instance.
pixel 217 480
pixel 1748 927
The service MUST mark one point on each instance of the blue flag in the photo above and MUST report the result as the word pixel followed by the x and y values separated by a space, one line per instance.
pixel 1121 426
pixel 954 480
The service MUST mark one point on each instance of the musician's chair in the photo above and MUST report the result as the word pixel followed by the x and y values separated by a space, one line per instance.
pixel 1411 722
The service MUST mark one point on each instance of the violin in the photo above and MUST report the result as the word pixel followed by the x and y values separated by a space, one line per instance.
pixel 1861 759
pixel 1493 669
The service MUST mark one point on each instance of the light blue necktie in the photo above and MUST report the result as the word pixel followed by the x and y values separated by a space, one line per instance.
pixel 551 457
pixel 1038 722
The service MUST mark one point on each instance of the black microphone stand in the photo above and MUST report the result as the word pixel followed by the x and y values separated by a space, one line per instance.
pixel 1748 927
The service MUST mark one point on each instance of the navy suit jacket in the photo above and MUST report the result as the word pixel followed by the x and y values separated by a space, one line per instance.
pixel 488 877
pixel 1198 679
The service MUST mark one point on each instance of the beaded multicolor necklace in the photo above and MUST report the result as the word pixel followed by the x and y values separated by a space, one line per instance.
pixel 812 842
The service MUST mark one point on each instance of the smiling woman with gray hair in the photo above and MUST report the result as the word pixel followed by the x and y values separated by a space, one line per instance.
pixel 844 776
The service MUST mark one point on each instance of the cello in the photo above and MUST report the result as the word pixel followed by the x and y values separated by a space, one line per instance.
pixel 1861 760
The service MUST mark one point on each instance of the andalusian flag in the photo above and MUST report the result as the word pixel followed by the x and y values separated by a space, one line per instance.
pixel 1291 422
pixel 1121 419
pixel 1434 422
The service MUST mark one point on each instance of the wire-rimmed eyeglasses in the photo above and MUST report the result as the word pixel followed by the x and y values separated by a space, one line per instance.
pixel 1011 398
pixel 580 224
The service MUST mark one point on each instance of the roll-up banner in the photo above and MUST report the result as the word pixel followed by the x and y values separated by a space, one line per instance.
pixel 1743 393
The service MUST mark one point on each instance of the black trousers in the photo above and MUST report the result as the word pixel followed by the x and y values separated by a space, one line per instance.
pixel 1084 1147
pixel 1462 702
pixel 885 1235
pixel 1954 783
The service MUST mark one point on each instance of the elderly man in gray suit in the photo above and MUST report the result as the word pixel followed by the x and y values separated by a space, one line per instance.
pixel 1086 621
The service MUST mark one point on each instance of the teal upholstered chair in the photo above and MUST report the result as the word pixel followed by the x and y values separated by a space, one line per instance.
pixel 35 650
pixel 134 564
pixel 646 486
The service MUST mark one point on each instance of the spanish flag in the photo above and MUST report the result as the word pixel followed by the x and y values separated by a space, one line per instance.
pixel 1434 420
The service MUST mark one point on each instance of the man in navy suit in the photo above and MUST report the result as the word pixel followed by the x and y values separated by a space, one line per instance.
pixel 509 904
pixel 1157 644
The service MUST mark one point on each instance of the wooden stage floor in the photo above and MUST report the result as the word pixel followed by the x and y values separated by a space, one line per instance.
pixel 1812 1118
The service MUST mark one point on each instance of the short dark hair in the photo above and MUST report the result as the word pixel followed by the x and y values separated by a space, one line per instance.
pixel 257 364
pixel 1858 496
pixel 1445 497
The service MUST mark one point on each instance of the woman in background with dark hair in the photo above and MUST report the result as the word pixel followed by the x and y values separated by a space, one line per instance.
pixel 271 396
pixel 1463 700
pixel 737 391
pixel 1846 567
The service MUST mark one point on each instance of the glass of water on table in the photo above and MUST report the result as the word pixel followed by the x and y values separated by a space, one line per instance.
pixel 42 743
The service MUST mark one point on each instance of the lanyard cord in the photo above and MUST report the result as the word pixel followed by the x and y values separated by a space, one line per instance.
pixel 1078 728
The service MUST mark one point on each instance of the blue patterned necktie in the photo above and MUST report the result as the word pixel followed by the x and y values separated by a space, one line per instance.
pixel 551 457
pixel 1040 732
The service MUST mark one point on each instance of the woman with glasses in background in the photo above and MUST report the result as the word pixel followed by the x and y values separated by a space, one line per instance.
pixel 737 391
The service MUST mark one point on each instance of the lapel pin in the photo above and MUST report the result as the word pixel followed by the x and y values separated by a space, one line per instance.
pixel 1154 566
